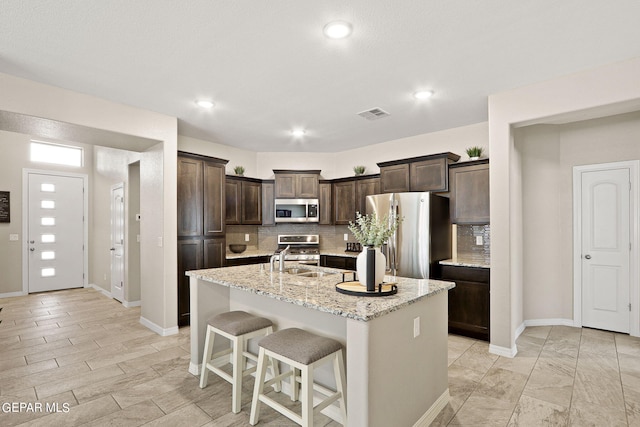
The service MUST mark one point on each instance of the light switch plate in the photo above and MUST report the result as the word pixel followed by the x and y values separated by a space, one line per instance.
pixel 416 327
pixel 246 237
pixel 479 240
pixel 346 237
pixel 13 237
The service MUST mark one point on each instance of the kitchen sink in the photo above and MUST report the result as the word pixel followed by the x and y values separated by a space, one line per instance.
pixel 303 272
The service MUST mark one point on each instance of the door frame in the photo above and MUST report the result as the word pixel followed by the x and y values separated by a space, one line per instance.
pixel 124 245
pixel 634 222
pixel 25 222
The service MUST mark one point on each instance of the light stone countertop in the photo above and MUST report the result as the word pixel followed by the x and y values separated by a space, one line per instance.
pixel 336 252
pixel 319 293
pixel 249 253
pixel 461 262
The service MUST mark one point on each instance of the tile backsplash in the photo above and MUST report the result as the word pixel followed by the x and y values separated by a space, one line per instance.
pixel 468 248
pixel 331 236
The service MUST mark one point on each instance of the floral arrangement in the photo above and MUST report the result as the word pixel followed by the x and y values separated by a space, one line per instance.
pixel 369 231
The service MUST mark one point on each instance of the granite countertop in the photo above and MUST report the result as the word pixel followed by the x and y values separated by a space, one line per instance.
pixel 337 252
pixel 463 262
pixel 319 293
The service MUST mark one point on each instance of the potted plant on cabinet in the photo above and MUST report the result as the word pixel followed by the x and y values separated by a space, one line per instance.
pixel 239 170
pixel 474 153
pixel 359 170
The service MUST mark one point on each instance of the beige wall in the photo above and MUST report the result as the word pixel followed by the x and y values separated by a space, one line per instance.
pixel 549 153
pixel 158 179
pixel 601 92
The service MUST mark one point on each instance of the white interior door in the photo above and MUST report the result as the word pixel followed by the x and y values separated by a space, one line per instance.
pixel 606 245
pixel 55 232
pixel 117 242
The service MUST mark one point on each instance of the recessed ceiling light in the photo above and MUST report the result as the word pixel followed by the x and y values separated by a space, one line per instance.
pixel 205 103
pixel 337 29
pixel 298 132
pixel 423 94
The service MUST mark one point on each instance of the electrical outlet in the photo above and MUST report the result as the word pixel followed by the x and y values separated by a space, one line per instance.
pixel 246 237
pixel 416 327
pixel 346 237
pixel 479 240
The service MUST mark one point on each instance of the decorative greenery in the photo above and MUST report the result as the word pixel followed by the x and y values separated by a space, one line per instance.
pixel 369 231
pixel 474 151
pixel 359 170
pixel 239 170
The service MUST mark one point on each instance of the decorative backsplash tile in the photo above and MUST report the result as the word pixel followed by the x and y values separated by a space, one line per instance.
pixel 467 246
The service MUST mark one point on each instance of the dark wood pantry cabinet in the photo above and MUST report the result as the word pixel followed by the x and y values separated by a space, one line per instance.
pixel 201 220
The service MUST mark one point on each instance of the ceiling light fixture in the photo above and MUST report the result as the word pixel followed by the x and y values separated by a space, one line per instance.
pixel 423 94
pixel 337 29
pixel 205 103
pixel 298 133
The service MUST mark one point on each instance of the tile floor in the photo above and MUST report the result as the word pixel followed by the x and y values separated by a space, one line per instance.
pixel 88 357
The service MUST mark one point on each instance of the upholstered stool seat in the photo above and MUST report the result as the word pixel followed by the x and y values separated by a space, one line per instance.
pixel 302 351
pixel 238 327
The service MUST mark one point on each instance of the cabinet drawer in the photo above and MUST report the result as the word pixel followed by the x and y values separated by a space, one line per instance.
pixel 470 274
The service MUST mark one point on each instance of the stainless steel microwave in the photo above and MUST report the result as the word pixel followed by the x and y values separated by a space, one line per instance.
pixel 297 210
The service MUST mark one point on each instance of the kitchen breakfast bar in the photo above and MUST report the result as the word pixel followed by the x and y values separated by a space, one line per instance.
pixel 395 346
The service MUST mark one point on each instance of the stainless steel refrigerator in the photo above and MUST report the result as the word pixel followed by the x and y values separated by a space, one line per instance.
pixel 424 235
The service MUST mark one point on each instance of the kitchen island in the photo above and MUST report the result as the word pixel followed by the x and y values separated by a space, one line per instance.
pixel 396 346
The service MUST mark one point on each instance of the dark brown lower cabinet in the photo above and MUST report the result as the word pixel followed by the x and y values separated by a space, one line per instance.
pixel 334 261
pixel 231 262
pixel 468 301
pixel 195 254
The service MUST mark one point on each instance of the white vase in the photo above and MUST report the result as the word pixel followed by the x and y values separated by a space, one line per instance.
pixel 361 265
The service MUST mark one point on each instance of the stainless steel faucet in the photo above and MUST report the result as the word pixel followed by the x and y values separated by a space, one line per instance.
pixel 280 259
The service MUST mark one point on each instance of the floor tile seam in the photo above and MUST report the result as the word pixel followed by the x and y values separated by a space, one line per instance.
pixel 575 376
pixel 624 397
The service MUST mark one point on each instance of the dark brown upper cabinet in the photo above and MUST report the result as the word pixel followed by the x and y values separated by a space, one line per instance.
pixel 424 173
pixel 292 184
pixel 243 200
pixel 268 202
pixel 325 203
pixel 350 196
pixel 469 184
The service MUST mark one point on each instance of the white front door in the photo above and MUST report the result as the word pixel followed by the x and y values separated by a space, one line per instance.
pixel 606 240
pixel 55 230
pixel 117 242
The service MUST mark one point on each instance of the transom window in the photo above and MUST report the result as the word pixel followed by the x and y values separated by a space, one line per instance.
pixel 46 152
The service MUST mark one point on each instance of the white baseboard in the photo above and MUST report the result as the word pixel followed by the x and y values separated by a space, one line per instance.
pixel 164 332
pixel 99 289
pixel 434 410
pixel 129 304
pixel 13 294
pixel 520 329
pixel 549 322
pixel 195 369
pixel 503 351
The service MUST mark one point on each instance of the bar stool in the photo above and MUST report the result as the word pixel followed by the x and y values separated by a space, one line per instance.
pixel 302 351
pixel 238 327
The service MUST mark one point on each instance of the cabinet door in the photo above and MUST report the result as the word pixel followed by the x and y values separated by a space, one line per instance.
pixel 429 175
pixel 251 203
pixel 394 179
pixel 344 202
pixel 469 309
pixel 326 204
pixel 285 185
pixel 307 186
pixel 189 197
pixel 214 253
pixel 232 195
pixel 214 199
pixel 364 188
pixel 470 194
pixel 189 258
pixel 268 203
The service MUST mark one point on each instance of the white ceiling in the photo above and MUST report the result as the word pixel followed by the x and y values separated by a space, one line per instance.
pixel 268 67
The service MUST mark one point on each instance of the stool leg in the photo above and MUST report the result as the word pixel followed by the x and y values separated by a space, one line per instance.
pixel 307 396
pixel 275 371
pixel 295 395
pixel 258 388
pixel 338 370
pixel 208 348
pixel 238 349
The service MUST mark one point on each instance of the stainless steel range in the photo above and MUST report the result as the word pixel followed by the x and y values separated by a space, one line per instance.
pixel 304 248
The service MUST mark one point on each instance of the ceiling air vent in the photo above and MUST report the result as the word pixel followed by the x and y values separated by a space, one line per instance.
pixel 374 114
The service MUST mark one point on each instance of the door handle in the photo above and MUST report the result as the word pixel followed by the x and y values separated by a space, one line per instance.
pixel 32 249
pixel 112 249
pixel 587 256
